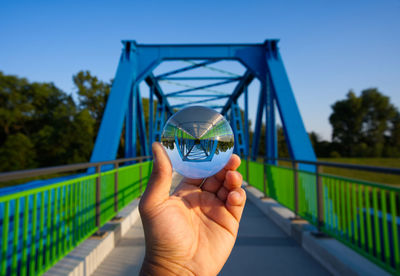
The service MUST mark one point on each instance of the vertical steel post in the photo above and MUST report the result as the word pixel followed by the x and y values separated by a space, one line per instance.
pixel 257 128
pixel 296 188
pixel 130 125
pixel 98 195
pixel 246 122
pixel 116 188
pixel 151 117
pixel 270 124
pixel 141 123
pixel 320 202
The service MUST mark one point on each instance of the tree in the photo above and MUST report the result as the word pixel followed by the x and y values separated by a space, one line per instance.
pixel 40 125
pixel 93 95
pixel 364 125
pixel 392 147
pixel 17 153
pixel 321 147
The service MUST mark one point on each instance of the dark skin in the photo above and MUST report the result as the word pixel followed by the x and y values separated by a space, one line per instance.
pixel 191 232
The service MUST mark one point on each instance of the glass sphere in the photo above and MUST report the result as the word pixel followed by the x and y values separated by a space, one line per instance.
pixel 198 140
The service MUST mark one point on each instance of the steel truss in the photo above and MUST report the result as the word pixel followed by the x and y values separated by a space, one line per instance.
pixel 262 61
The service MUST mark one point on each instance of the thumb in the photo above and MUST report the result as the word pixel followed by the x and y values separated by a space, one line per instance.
pixel 158 187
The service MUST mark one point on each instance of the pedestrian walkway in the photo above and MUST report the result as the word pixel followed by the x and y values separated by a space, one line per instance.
pixel 126 258
pixel 262 248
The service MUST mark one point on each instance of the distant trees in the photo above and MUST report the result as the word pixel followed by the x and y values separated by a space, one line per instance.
pixel 41 125
pixel 366 126
pixel 93 95
pixel 363 126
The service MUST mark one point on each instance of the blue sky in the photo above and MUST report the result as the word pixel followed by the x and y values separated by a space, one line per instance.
pixel 328 47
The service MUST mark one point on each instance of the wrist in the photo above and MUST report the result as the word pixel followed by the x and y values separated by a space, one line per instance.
pixel 154 267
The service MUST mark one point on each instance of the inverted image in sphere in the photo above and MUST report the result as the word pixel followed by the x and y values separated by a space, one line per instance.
pixel 198 140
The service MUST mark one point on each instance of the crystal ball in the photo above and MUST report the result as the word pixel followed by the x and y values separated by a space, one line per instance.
pixel 198 140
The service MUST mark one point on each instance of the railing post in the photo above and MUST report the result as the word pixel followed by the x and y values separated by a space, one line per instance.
pixel 320 202
pixel 140 175
pixel 296 189
pixel 98 195
pixel 116 166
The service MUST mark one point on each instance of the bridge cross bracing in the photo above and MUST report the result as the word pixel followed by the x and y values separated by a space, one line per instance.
pixel 139 62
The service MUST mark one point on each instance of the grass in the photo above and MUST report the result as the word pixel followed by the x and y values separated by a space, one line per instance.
pixel 368 176
pixel 359 174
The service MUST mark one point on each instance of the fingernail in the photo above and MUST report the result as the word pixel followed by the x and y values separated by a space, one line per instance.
pixel 235 195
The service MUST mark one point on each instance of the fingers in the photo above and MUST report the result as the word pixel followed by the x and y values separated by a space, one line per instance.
pixel 232 165
pixel 158 187
pixel 233 180
pixel 235 202
pixel 222 194
pixel 213 183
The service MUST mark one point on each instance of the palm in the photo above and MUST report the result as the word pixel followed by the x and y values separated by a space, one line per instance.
pixel 195 229
pixel 196 224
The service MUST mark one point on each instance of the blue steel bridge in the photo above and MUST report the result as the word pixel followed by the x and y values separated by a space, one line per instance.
pixel 306 221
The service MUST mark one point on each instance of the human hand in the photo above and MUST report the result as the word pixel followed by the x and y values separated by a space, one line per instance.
pixel 191 232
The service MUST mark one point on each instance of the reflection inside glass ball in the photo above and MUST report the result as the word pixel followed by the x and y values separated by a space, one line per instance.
pixel 198 140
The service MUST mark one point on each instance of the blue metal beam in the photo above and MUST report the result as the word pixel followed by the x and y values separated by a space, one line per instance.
pixel 197 78
pixel 237 127
pixel 187 68
pixel 109 134
pixel 257 128
pixel 151 81
pixel 297 138
pixel 270 124
pixel 201 95
pixel 244 82
pixel 246 122
pixel 195 102
pixel 250 55
pixel 151 116
pixel 196 51
pixel 202 87
pixel 130 125
pixel 144 149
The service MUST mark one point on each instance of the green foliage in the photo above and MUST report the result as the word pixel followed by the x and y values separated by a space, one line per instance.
pixel 40 125
pixel 17 153
pixel 366 126
pixel 93 95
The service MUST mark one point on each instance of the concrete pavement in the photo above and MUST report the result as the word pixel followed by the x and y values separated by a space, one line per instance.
pixel 262 248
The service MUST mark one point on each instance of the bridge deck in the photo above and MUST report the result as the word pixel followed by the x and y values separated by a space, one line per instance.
pixel 261 248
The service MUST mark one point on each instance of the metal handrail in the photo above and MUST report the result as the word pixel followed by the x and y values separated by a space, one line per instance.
pixel 8 176
pixel 341 165
pixel 318 173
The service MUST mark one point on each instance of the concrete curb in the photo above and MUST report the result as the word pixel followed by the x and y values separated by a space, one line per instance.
pixel 85 258
pixel 336 257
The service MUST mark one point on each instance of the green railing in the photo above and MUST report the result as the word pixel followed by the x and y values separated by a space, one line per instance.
pixel 362 215
pixel 39 226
